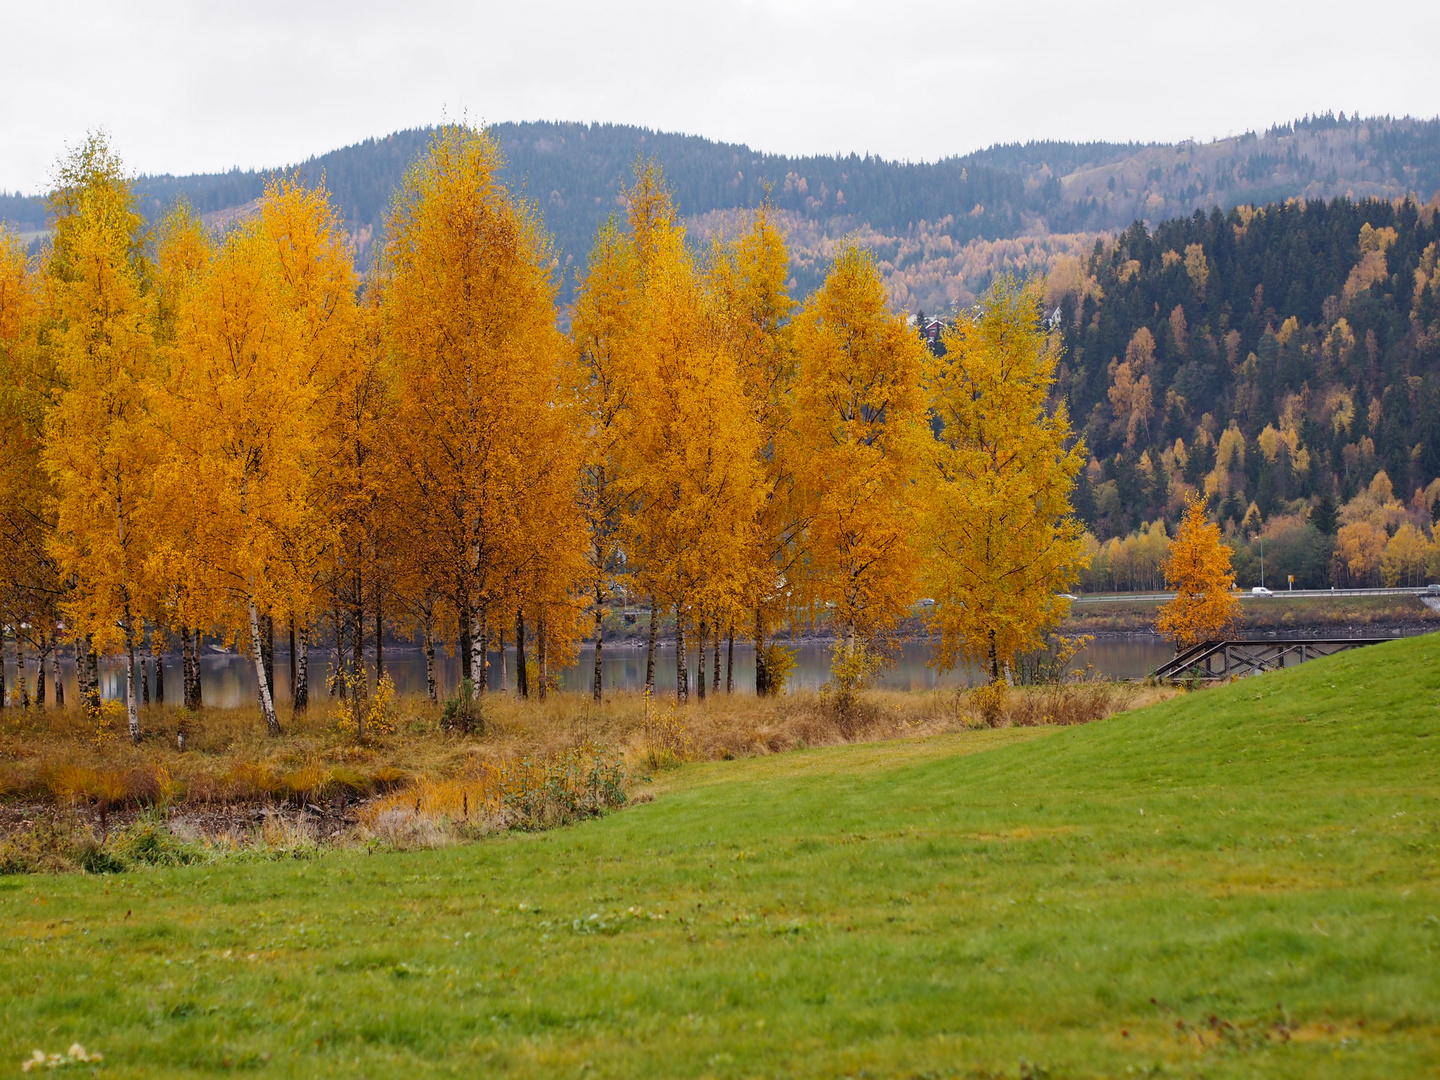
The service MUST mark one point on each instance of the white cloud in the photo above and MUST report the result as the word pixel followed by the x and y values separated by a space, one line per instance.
pixel 187 87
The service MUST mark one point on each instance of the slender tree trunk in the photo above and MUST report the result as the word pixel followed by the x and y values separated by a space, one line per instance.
pixel 504 663
pixel 730 663
pixel 59 680
pixel 522 675
pixel 92 677
pixel 682 662
pixel 40 677
pixel 132 710
pixel 21 677
pixel 379 640
pixel 359 685
pixel 293 674
pixel 597 690
pixel 4 701
pixel 428 629
pixel 994 660
pixel 267 631
pixel 337 684
pixel 301 662
pixel 187 668
pixel 466 661
pixel 762 675
pixel 267 703
pixel 481 660
pixel 715 684
pixel 700 659
pixel 144 680
pixel 650 648
pixel 159 678
pixel 541 650
pixel 199 669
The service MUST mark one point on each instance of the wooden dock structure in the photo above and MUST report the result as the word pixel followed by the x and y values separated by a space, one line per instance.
pixel 1212 661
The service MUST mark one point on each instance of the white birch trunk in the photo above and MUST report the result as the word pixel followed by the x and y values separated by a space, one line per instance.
pixel 479 647
pixel 267 703
pixel 302 666
pixel 132 707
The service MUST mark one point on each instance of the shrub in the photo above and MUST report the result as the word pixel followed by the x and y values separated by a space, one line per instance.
pixel 987 704
pixel 1052 662
pixel 1064 704
pixel 559 789
pixel 363 717
pixel 531 794
pixel 463 713
pixel 667 742
pixel 778 662
pixel 253 780
pixel 54 843
pixel 149 842
pixel 852 670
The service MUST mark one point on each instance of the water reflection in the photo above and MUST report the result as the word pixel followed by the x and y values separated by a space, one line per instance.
pixel 228 680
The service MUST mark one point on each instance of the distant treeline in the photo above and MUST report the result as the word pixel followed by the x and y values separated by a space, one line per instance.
pixel 572 171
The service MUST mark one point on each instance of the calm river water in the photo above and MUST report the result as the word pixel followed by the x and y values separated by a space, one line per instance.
pixel 228 680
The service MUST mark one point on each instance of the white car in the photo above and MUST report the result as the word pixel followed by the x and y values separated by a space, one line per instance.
pixel 1260 590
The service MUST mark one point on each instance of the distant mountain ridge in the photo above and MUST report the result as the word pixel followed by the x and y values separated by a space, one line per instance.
pixel 912 211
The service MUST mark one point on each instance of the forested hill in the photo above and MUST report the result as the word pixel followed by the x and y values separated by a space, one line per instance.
pixel 918 217
pixel 1278 359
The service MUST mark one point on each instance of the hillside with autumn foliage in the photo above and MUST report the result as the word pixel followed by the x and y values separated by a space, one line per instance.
pixel 941 229
pixel 1283 360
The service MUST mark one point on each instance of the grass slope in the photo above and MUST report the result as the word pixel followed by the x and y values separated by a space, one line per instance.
pixel 1238 882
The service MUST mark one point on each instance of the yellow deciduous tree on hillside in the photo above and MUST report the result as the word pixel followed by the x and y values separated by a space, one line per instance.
pixel 1002 541
pixel 1198 569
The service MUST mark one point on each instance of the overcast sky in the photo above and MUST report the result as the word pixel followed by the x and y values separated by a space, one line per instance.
pixel 200 86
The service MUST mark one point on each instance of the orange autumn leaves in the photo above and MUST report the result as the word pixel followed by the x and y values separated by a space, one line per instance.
pixel 242 428
pixel 1198 569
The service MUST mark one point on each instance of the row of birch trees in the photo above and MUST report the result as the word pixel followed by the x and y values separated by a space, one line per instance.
pixel 218 433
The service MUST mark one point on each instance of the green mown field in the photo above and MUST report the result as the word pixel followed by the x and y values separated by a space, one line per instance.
pixel 1240 882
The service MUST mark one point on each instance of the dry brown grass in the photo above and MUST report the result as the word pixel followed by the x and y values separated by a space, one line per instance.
pixel 52 756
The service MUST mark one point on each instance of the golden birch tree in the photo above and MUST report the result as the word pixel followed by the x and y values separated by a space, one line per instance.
pixel 750 309
pixel 481 448
pixel 1001 540
pixel 1198 569
pixel 857 434
pixel 273 309
pixel 100 448
pixel 696 439
pixel 609 352
pixel 30 586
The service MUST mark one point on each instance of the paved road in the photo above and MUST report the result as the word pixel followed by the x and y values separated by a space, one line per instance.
pixel 1279 594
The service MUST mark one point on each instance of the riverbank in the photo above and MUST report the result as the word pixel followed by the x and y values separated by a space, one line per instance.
pixel 415 779
pixel 1316 616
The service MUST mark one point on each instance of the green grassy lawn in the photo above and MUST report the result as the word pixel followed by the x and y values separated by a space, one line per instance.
pixel 1241 882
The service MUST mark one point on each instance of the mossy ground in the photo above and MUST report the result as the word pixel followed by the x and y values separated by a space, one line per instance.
pixel 1239 882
